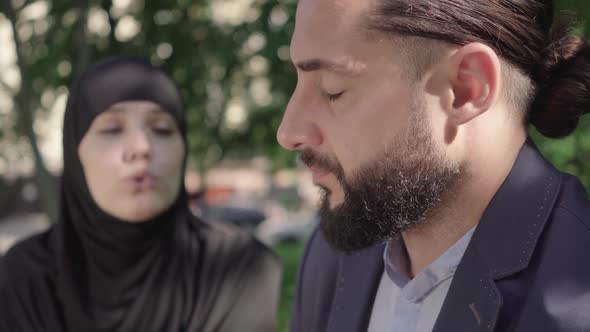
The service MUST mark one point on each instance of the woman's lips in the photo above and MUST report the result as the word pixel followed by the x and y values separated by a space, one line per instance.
pixel 141 182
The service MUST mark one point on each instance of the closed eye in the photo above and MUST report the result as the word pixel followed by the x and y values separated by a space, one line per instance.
pixel 110 131
pixel 333 96
pixel 163 131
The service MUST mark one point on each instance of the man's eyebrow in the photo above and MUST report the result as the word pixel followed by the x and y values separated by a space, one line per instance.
pixel 328 65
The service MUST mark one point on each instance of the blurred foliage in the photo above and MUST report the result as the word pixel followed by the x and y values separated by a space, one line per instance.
pixel 218 59
pixel 225 58
pixel 290 253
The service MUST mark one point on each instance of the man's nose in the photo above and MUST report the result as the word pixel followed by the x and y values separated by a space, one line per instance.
pixel 299 128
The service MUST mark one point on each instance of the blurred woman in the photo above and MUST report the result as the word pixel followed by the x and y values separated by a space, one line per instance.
pixel 126 253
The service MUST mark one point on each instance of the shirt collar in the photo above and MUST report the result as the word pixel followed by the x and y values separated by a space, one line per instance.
pixel 397 267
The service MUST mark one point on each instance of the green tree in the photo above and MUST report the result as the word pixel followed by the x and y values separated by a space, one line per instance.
pixel 231 64
pixel 33 59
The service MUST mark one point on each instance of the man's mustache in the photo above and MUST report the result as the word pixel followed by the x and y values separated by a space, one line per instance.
pixel 316 160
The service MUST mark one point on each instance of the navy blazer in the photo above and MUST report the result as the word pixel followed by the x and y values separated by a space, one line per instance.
pixel 526 267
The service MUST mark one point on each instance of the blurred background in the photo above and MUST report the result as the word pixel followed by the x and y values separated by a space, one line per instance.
pixel 231 60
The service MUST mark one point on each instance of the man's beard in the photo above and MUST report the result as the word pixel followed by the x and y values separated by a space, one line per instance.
pixel 391 194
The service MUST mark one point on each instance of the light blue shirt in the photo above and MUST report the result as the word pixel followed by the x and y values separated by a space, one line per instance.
pixel 403 304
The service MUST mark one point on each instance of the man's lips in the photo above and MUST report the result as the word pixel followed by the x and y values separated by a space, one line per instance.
pixel 318 173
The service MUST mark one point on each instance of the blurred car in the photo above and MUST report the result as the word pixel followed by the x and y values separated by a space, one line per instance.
pixel 295 229
pixel 247 218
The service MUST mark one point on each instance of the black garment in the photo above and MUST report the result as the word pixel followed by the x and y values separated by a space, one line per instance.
pixel 525 269
pixel 93 272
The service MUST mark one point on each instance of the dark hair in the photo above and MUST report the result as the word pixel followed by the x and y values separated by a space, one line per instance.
pixel 523 33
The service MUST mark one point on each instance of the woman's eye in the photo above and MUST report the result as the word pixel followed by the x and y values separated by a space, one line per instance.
pixel 333 96
pixel 163 131
pixel 110 131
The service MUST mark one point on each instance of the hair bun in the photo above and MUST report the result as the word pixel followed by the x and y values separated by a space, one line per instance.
pixel 563 85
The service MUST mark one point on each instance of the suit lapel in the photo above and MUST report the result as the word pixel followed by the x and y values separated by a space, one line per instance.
pixel 502 245
pixel 358 279
pixel 473 301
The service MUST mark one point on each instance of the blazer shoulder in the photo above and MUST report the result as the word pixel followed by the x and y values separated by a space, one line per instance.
pixel 319 256
pixel 574 203
pixel 316 283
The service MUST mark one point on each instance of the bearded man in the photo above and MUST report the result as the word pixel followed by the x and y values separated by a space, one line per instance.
pixel 438 213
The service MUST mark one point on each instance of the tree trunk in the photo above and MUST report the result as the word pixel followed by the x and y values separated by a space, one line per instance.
pixel 84 49
pixel 48 193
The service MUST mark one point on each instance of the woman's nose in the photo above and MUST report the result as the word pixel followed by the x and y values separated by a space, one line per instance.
pixel 139 146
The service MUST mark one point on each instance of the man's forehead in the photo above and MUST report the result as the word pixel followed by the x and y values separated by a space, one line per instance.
pixel 335 6
pixel 325 25
pixel 332 11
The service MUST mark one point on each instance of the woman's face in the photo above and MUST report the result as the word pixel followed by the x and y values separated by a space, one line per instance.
pixel 132 157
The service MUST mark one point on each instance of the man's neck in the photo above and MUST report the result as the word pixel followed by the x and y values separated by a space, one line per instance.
pixel 460 209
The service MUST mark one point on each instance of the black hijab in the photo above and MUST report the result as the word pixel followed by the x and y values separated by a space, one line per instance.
pixel 170 273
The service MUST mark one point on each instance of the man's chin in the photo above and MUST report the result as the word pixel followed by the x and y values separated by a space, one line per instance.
pixel 332 199
pixel 334 204
pixel 344 238
pixel 344 231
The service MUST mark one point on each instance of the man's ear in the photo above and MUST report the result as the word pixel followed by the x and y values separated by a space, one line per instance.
pixel 474 82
